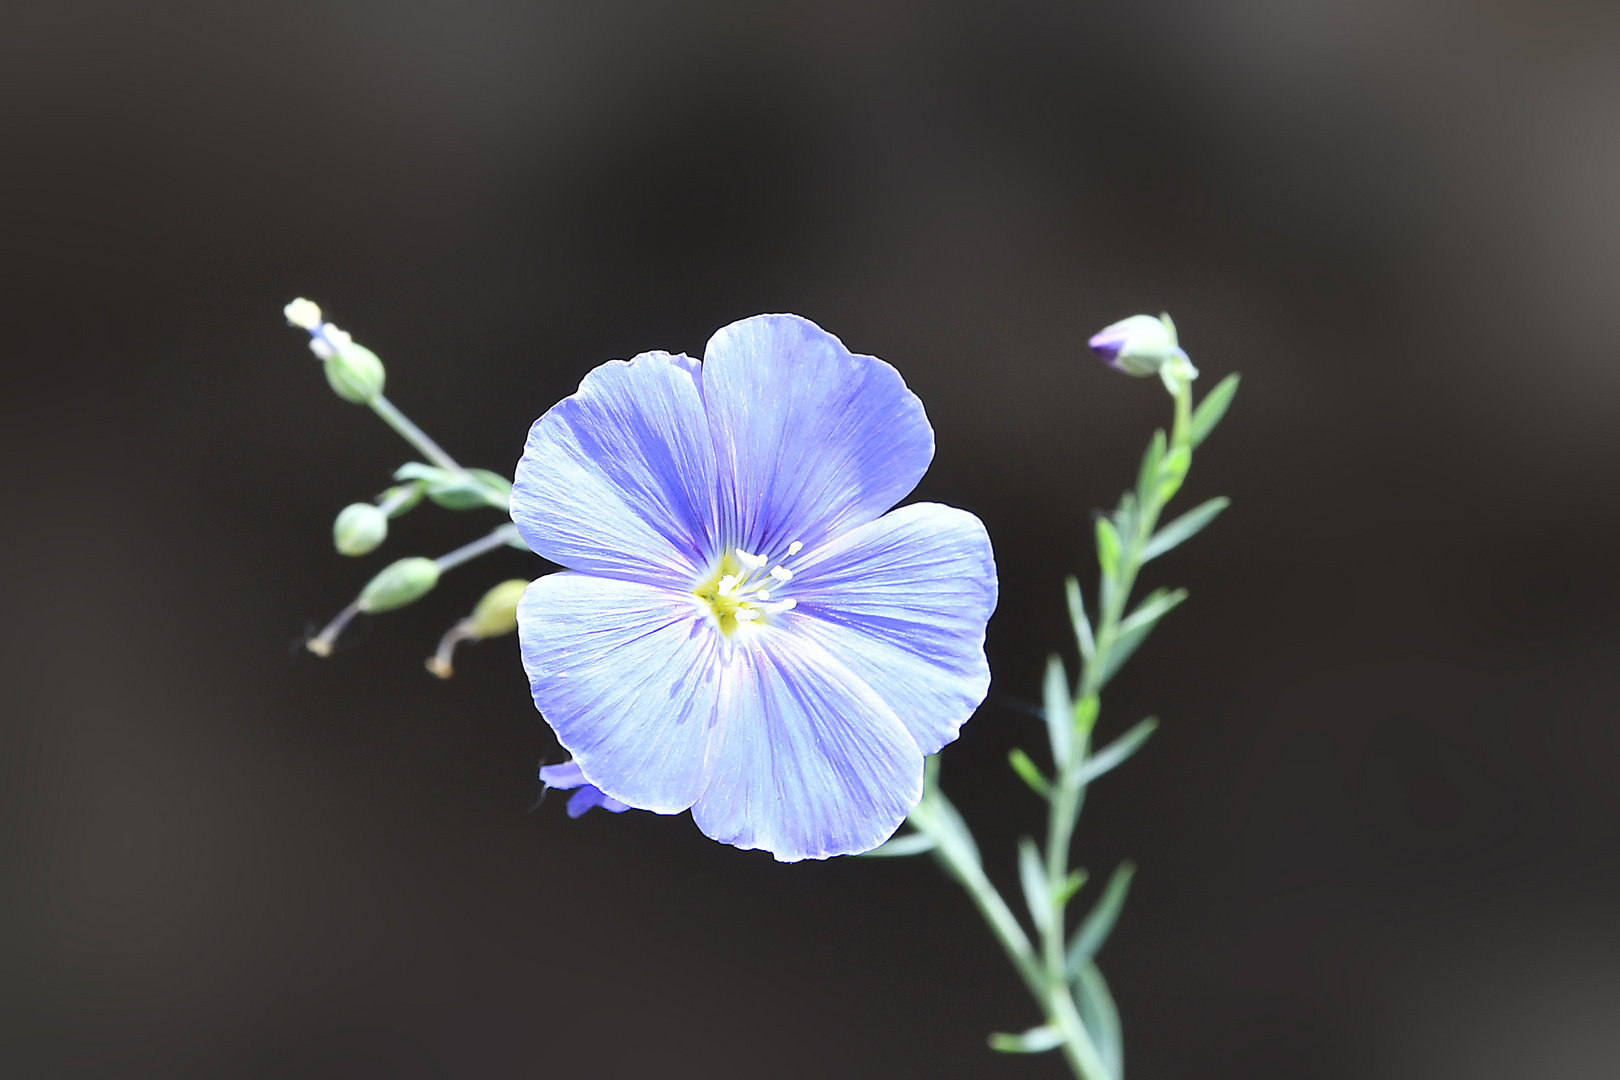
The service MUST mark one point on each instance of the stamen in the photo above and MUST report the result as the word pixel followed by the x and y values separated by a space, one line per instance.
pixel 782 574
pixel 764 594
pixel 746 615
pixel 782 605
pixel 728 584
pixel 753 562
pixel 794 548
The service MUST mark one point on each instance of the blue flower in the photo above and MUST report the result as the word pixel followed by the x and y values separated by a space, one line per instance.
pixel 568 775
pixel 744 631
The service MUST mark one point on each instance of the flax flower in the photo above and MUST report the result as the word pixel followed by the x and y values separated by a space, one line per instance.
pixel 745 628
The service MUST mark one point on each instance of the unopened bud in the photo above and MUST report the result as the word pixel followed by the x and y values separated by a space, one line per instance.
pixel 354 371
pixel 398 584
pixel 303 313
pixel 1142 345
pixel 359 528
pixel 496 613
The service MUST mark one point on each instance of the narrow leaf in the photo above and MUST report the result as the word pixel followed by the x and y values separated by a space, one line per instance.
pixel 1077 615
pixel 1133 631
pixel 1173 471
pixel 938 818
pixel 1156 606
pixel 1071 885
pixel 1107 547
pixel 1085 716
pixel 1212 408
pixel 1114 754
pixel 1029 772
pixel 1032 876
pixel 1059 710
pixel 1101 1019
pixel 910 844
pixel 1184 527
pixel 1034 1041
pixel 1148 475
pixel 1099 922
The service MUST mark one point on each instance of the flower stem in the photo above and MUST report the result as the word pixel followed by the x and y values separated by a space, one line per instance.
pixel 500 536
pixel 413 434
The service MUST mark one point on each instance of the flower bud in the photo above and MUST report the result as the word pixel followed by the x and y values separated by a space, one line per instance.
pixel 496 613
pixel 1142 345
pixel 398 584
pixel 354 371
pixel 303 313
pixel 359 528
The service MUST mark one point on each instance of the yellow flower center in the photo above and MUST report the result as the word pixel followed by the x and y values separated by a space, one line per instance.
pixel 740 592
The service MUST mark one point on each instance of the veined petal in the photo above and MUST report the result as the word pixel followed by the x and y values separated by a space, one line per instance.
pixel 618 479
pixel 627 676
pixel 903 602
pixel 813 763
pixel 810 439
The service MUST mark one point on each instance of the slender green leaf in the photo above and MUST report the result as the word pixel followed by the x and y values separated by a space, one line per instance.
pixel 1134 630
pixel 1071 885
pixel 1077 615
pixel 1085 716
pixel 936 816
pixel 1101 1018
pixel 1059 712
pixel 1037 892
pixel 1184 527
pixel 910 844
pixel 1034 1041
pixel 1212 408
pixel 1029 772
pixel 1172 472
pixel 1114 754
pixel 1148 476
pixel 1099 922
pixel 1156 606
pixel 1107 547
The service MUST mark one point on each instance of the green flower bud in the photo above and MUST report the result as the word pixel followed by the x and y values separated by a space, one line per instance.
pixel 496 613
pixel 355 372
pixel 1142 345
pixel 398 584
pixel 359 528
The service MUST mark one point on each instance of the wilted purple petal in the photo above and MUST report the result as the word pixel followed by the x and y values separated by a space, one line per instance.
pixel 570 775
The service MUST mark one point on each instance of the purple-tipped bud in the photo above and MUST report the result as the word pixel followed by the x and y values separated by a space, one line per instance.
pixel 570 775
pixel 1140 345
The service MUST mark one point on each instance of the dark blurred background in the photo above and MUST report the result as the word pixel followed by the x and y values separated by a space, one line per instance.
pixel 1378 829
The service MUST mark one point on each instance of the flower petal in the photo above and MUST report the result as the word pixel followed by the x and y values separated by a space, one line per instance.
pixel 903 602
pixel 618 479
pixel 626 675
pixel 810 439
pixel 813 764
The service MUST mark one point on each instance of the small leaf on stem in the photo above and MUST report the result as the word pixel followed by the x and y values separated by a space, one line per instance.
pixel 1212 408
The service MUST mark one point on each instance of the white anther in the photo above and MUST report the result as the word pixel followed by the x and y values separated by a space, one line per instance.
pixel 783 605
pixel 303 313
pixel 321 348
pixel 781 573
pixel 747 615
pixel 728 584
pixel 794 548
pixel 763 594
pixel 753 562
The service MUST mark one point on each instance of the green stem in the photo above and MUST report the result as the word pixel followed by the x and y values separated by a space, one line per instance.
pixel 500 536
pixel 413 434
